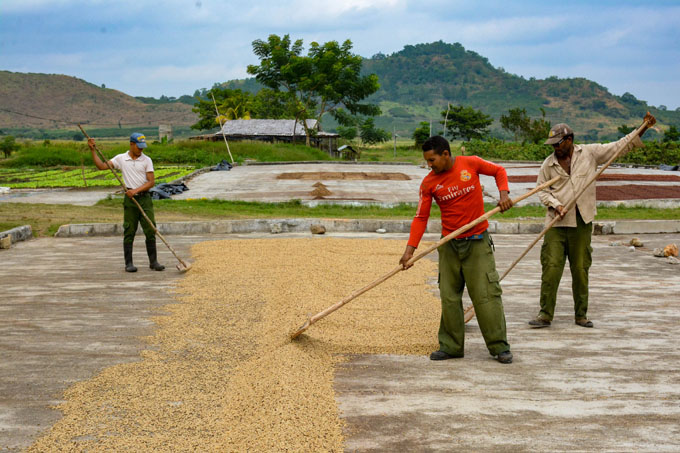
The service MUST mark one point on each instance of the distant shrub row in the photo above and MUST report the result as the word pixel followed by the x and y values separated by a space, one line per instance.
pixel 654 153
pixel 195 153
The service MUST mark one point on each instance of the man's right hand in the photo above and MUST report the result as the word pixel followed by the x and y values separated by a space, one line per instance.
pixel 561 211
pixel 90 143
pixel 408 254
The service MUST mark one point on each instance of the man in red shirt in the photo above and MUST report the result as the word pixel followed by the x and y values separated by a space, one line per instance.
pixel 468 259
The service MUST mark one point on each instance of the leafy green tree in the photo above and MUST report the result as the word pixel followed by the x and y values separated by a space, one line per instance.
pixel 421 133
pixel 624 130
pixel 232 104
pixel 516 122
pixel 326 79
pixel 523 127
pixel 272 104
pixel 8 144
pixel 538 129
pixel 370 134
pixel 466 122
pixel 671 135
pixel 347 132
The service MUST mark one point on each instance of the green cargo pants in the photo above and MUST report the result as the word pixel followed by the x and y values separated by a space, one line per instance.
pixel 470 262
pixel 132 217
pixel 559 244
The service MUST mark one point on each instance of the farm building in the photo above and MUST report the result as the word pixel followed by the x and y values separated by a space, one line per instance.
pixel 275 131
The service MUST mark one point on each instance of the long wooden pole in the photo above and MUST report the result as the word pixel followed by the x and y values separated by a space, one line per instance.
pixel 415 258
pixel 182 266
pixel 470 311
pixel 221 126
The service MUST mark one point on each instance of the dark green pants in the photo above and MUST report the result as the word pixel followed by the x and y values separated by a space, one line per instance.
pixel 132 217
pixel 559 244
pixel 470 263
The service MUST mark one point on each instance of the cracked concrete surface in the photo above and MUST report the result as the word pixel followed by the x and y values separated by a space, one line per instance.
pixel 69 310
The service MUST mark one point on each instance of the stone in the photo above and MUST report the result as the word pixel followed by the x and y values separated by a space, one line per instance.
pixel 672 260
pixel 631 248
pixel 275 228
pixel 658 252
pixel 6 242
pixel 615 243
pixel 636 242
pixel 381 230
pixel 670 250
pixel 317 228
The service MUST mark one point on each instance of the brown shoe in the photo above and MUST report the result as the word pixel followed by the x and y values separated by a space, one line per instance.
pixel 539 322
pixel 584 322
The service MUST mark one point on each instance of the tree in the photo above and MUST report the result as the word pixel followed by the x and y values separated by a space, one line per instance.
pixel 347 132
pixel 370 134
pixel 421 133
pixel 232 104
pixel 272 104
pixel 466 122
pixel 671 135
pixel 326 79
pixel 8 144
pixel 516 122
pixel 523 127
pixel 624 130
pixel 538 129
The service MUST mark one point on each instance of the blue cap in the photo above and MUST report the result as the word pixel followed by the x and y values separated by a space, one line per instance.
pixel 139 139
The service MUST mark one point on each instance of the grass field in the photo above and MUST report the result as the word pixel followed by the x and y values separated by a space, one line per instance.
pixel 46 219
pixel 65 164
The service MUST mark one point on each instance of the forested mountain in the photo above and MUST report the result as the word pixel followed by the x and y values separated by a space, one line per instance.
pixel 418 81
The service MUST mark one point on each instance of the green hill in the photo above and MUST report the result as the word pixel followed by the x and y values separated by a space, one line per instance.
pixel 418 81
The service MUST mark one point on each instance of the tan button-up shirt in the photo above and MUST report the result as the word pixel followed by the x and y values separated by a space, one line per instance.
pixel 584 162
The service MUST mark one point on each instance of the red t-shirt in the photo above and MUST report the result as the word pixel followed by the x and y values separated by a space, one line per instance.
pixel 458 193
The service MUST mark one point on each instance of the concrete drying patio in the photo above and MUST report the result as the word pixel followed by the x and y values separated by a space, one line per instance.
pixel 282 182
pixel 69 311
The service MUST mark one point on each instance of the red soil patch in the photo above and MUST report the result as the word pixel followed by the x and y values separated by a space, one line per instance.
pixel 341 175
pixel 636 192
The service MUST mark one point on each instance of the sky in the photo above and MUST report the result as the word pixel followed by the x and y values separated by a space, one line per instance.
pixel 173 47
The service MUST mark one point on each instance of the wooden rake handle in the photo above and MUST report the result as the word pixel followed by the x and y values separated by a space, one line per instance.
pixel 122 184
pixel 470 311
pixel 415 258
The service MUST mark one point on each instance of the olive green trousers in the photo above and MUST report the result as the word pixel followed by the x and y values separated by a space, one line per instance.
pixel 132 217
pixel 559 244
pixel 470 263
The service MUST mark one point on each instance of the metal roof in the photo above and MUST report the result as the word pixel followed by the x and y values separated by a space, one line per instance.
pixel 265 127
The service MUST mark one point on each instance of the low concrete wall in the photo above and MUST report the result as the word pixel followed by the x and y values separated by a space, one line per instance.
pixel 353 225
pixel 17 234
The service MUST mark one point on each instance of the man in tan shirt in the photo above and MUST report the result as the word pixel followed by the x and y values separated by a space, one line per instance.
pixel 570 236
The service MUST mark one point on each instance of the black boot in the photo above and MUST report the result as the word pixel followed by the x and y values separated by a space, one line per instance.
pixel 153 261
pixel 127 250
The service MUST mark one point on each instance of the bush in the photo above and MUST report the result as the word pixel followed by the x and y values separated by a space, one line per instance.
pixel 495 149
pixel 654 153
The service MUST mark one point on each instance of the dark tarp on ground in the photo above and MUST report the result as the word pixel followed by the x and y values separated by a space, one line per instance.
pixel 222 166
pixel 669 167
pixel 165 190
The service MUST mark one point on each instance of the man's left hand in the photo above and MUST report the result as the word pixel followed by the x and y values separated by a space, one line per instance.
pixel 505 203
